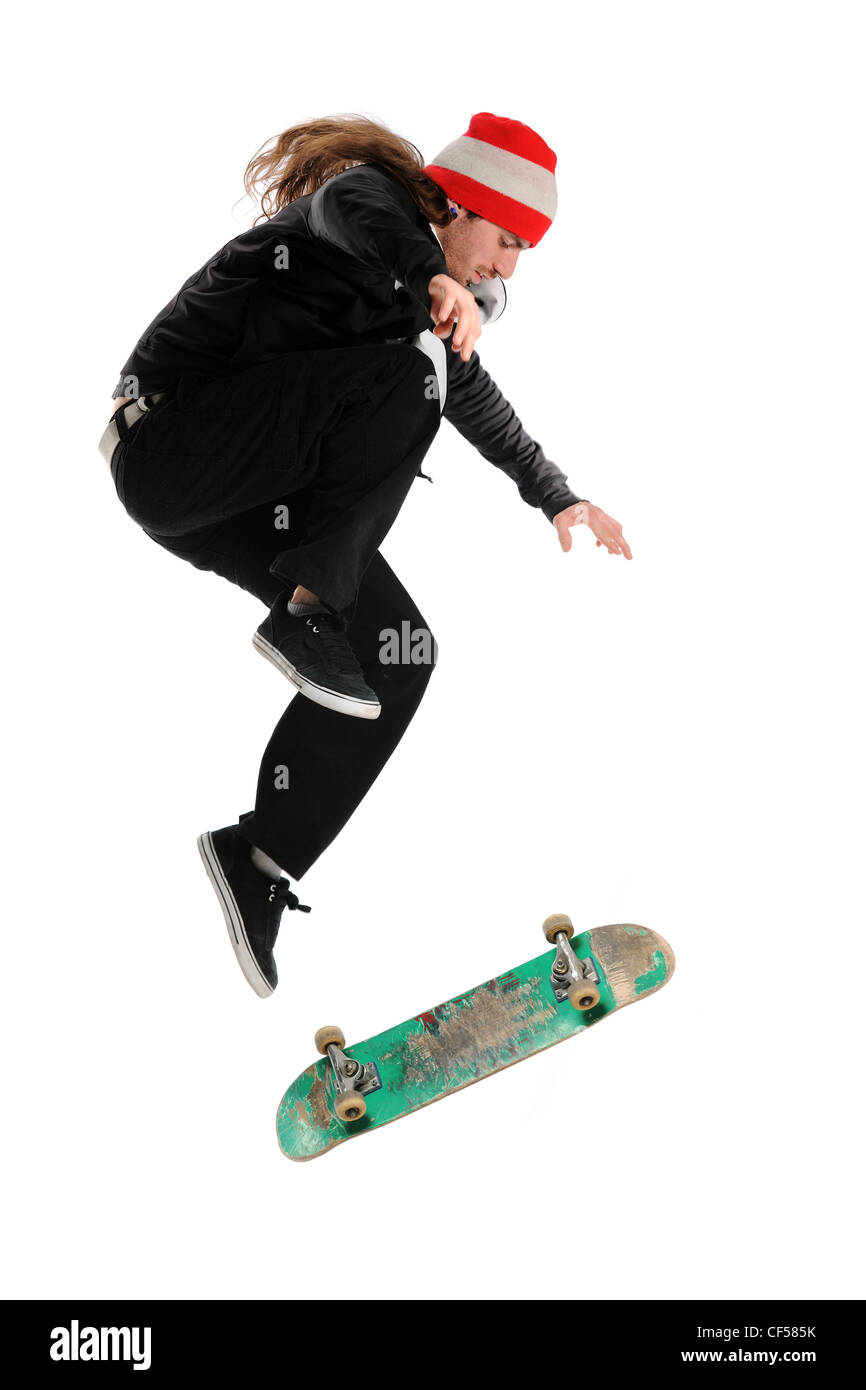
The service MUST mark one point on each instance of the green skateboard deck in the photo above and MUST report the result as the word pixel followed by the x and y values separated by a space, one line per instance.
pixel 500 1022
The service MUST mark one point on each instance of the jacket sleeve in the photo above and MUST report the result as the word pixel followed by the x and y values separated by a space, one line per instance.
pixel 369 215
pixel 477 408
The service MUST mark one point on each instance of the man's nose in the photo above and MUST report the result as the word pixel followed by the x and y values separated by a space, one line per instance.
pixel 505 261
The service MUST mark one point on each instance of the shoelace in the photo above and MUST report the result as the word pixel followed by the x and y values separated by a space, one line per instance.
pixel 330 629
pixel 281 893
pixel 279 896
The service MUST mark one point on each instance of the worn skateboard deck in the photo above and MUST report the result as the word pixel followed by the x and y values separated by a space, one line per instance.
pixel 473 1035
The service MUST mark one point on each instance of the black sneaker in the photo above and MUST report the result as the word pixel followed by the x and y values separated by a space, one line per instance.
pixel 314 652
pixel 251 901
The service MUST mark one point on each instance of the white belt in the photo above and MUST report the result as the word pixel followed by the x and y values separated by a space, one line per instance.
pixel 132 412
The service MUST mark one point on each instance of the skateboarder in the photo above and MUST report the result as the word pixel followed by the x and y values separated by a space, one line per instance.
pixel 271 419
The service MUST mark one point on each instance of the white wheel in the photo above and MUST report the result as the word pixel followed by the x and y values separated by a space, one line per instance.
pixel 558 922
pixel 326 1036
pixel 350 1107
pixel 583 996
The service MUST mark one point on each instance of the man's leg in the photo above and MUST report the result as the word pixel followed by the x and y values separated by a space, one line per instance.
pixel 329 763
pixel 318 765
pixel 352 424
pixel 367 445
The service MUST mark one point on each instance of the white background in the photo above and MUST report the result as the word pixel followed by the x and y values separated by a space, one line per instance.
pixel 674 741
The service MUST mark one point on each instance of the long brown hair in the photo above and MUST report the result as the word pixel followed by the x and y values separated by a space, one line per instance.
pixel 306 155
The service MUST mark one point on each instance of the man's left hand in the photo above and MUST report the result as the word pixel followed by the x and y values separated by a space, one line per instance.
pixel 606 531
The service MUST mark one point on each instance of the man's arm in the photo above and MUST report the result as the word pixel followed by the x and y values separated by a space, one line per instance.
pixel 476 407
pixel 369 215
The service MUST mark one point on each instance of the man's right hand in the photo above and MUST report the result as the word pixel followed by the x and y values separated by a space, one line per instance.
pixel 450 303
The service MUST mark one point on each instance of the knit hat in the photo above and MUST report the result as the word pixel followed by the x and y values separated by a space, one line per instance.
pixel 502 170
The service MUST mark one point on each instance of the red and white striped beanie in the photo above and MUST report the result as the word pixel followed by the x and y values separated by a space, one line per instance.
pixel 502 170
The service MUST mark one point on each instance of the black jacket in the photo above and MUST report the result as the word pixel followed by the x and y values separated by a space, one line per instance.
pixel 348 264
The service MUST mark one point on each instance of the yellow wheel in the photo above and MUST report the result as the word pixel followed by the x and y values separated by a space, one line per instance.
pixel 326 1036
pixel 558 922
pixel 583 996
pixel 351 1106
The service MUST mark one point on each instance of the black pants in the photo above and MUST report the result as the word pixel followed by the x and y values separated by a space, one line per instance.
pixel 289 473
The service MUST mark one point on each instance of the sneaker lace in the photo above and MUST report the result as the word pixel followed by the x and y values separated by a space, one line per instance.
pixel 331 628
pixel 280 896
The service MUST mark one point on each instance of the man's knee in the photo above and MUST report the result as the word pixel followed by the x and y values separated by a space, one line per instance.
pixel 407 652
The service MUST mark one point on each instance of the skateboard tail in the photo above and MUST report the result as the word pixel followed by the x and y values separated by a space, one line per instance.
pixel 636 961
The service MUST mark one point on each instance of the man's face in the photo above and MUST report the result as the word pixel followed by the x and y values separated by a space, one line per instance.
pixel 475 248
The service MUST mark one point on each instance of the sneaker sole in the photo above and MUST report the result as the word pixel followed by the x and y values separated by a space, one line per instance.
pixel 319 694
pixel 246 960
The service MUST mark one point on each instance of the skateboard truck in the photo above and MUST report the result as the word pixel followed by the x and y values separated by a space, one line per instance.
pixel 353 1080
pixel 573 979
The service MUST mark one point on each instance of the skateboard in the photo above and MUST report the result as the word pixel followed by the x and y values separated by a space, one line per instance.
pixel 585 977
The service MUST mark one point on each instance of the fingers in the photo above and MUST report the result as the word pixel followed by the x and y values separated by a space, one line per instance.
pixel 456 306
pixel 443 314
pixel 609 533
pixel 562 531
pixel 616 546
pixel 447 307
pixel 468 332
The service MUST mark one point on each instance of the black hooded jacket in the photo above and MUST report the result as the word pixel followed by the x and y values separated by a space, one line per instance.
pixel 346 265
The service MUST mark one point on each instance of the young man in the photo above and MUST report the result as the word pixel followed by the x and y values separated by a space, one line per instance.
pixel 269 424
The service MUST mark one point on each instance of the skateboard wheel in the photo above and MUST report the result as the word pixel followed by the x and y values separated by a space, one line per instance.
pixel 350 1106
pixel 326 1036
pixel 558 922
pixel 583 996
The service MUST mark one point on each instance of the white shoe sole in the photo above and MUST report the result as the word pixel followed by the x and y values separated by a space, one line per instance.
pixel 319 694
pixel 246 960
